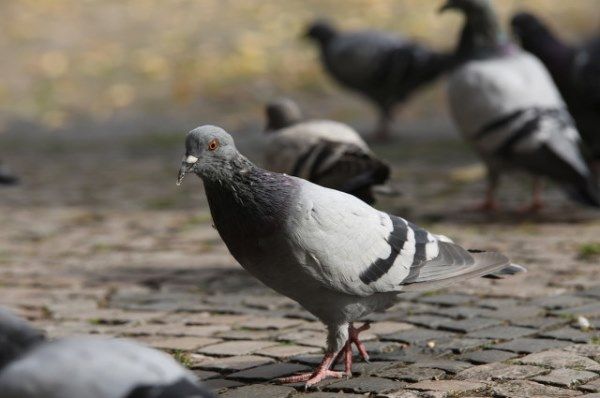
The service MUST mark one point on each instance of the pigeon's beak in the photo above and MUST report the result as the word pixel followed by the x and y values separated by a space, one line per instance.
pixel 447 6
pixel 187 165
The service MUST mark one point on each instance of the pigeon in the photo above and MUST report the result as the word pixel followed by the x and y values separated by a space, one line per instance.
pixel 6 177
pixel 32 367
pixel 575 70
pixel 325 152
pixel 335 255
pixel 384 68
pixel 506 105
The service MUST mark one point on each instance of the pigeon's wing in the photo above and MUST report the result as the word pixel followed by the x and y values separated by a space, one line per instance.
pixel 586 74
pixel 75 368
pixel 350 247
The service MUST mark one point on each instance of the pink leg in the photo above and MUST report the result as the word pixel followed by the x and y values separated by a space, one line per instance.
pixel 322 372
pixel 353 338
pixel 537 203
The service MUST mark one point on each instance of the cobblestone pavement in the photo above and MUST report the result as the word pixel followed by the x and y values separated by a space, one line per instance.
pixel 114 261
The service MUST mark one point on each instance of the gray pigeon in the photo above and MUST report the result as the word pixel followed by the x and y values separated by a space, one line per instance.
pixel 386 69
pixel 506 105
pixel 31 367
pixel 334 254
pixel 325 152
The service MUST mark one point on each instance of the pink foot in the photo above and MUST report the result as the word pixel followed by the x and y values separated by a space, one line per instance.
pixel 532 208
pixel 487 206
pixel 346 351
pixel 322 372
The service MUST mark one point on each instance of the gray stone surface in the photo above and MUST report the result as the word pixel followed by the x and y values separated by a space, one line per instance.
pixel 561 359
pixel 566 377
pixel 469 325
pixel 259 391
pixel 410 373
pixel 418 336
pixel 569 334
pixel 530 345
pixel 269 372
pixel 529 389
pixel 502 333
pixel 449 387
pixel 488 356
pixel 362 385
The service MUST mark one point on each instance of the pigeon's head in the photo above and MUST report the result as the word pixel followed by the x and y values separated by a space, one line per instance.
pixel 466 6
pixel 528 27
pixel 282 113
pixel 16 337
pixel 320 31
pixel 209 152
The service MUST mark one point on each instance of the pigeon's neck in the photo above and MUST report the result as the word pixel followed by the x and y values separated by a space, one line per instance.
pixel 481 36
pixel 250 202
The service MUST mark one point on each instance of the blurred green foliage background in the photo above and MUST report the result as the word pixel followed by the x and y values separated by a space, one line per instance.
pixel 156 64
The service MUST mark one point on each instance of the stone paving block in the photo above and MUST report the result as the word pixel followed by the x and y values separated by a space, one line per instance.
pixel 399 394
pixel 586 350
pixel 287 351
pixel 330 395
pixel 428 321
pixel 246 334
pixel 500 372
pixel 561 359
pixel 383 346
pixel 407 355
pixel 410 373
pixel 592 386
pixel 269 372
pixel 462 345
pixel 540 323
pixel 447 300
pixel 592 292
pixel 304 337
pixel 418 336
pixel 529 389
pixel 182 343
pixel 502 333
pixel 259 391
pixel 175 330
pixel 561 301
pixel 588 310
pixel 387 327
pixel 447 365
pixel 488 356
pixel 221 384
pixel 204 318
pixel 566 377
pixel 205 374
pixel 461 312
pixel 469 325
pixel 233 364
pixel 261 323
pixel 590 396
pixel 570 334
pixel 363 385
pixel 517 312
pixel 496 303
pixel 450 387
pixel 242 347
pixel 269 302
pixel 529 345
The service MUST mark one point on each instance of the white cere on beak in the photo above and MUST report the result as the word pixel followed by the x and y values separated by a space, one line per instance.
pixel 191 159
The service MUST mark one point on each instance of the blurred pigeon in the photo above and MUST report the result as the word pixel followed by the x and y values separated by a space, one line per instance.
pixel 6 177
pixel 325 152
pixel 385 68
pixel 31 367
pixel 575 70
pixel 334 254
pixel 505 103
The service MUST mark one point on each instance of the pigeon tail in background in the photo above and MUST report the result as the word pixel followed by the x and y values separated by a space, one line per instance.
pixel 6 177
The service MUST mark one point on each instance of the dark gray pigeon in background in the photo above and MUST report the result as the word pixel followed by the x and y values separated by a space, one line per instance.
pixel 385 68
pixel 325 152
pixel 334 254
pixel 31 367
pixel 575 70
pixel 506 105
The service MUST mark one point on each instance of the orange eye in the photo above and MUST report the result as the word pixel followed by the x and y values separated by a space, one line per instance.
pixel 213 144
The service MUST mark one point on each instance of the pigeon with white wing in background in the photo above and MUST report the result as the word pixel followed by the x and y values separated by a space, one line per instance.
pixel 325 152
pixel 335 255
pixel 506 105
pixel 33 367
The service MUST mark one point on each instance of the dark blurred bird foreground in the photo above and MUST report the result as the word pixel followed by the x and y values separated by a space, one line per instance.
pixel 506 105
pixel 575 69
pixel 33 367
pixel 334 254
pixel 325 152
pixel 384 68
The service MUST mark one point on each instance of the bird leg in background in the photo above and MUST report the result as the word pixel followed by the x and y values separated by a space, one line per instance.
pixel 489 204
pixel 536 198
pixel 382 130
pixel 321 372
